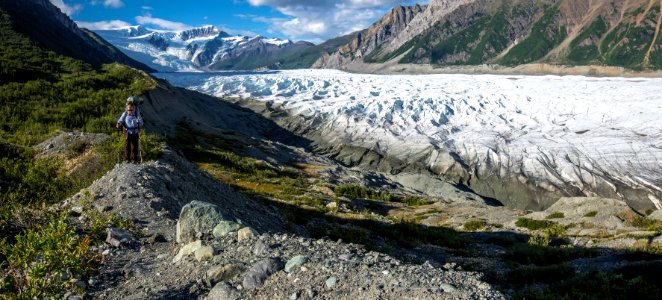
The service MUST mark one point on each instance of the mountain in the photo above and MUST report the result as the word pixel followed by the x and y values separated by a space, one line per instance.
pixel 366 41
pixel 46 25
pixel 515 32
pixel 204 48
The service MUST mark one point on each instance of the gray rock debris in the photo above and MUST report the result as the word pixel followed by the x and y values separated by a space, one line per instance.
pixel 118 237
pixel 258 274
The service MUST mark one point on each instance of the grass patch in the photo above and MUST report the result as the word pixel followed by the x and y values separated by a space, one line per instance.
pixel 633 281
pixel 591 214
pixel 555 215
pixel 532 224
pixel 526 254
pixel 358 192
pixel 475 225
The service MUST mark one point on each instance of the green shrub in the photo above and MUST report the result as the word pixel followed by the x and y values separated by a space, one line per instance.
pixel 591 214
pixel 359 192
pixel 414 201
pixel 475 225
pixel 555 215
pixel 647 224
pixel 526 254
pixel 44 260
pixel 636 281
pixel 532 224
pixel 151 146
pixel 529 275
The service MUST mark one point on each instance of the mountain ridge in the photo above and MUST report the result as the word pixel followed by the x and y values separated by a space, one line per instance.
pixel 206 48
pixel 60 34
pixel 515 33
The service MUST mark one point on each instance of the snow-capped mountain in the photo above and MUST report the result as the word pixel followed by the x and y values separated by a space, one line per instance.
pixel 524 140
pixel 199 49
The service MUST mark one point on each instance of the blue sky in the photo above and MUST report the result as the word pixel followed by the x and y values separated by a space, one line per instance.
pixel 311 20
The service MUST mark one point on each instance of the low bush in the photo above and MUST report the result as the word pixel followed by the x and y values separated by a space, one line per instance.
pixel 44 261
pixel 591 214
pixel 414 201
pixel 532 224
pixel 359 192
pixel 526 254
pixel 475 225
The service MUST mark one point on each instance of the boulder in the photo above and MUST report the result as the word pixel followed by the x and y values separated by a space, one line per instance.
pixel 217 274
pixel 295 263
pixel 224 228
pixel 245 233
pixel 258 274
pixel 223 291
pixel 197 217
pixel 204 253
pixel 186 250
pixel 656 215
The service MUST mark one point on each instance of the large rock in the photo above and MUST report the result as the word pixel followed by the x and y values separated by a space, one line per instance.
pixel 186 250
pixel 223 291
pixel 656 215
pixel 295 263
pixel 204 253
pixel 245 233
pixel 225 227
pixel 217 274
pixel 197 217
pixel 258 274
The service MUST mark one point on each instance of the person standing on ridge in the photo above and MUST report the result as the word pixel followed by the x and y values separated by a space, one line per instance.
pixel 131 121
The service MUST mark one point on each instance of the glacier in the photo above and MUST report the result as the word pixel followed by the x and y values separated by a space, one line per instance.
pixel 524 140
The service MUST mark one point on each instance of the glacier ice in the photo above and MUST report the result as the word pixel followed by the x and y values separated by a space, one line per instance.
pixel 571 135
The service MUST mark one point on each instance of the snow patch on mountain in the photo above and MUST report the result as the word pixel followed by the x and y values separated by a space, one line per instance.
pixel 190 50
pixel 570 135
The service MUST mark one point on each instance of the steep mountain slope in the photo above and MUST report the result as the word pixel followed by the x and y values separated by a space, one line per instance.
pixel 45 24
pixel 369 40
pixel 472 32
pixel 205 48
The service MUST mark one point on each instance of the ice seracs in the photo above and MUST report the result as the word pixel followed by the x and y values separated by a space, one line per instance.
pixel 524 140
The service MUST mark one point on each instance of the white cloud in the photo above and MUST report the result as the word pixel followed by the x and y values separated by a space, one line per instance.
pixel 163 24
pixel 113 3
pixel 147 7
pixel 67 9
pixel 323 19
pixel 103 25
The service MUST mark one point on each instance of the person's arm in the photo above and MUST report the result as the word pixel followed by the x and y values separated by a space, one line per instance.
pixel 120 121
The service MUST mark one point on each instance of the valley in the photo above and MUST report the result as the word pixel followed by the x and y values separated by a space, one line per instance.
pixel 524 140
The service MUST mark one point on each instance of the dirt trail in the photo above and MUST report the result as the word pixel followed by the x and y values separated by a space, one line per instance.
pixel 641 17
pixel 657 34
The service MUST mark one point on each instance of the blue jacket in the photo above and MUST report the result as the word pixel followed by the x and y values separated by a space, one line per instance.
pixel 132 122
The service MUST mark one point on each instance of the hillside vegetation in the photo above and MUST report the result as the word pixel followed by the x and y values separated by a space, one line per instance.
pixel 42 92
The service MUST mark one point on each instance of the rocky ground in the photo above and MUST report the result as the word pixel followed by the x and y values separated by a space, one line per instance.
pixel 267 261
pixel 192 237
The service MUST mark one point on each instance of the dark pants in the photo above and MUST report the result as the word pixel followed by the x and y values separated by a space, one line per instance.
pixel 131 145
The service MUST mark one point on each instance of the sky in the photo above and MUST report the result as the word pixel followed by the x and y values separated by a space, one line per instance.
pixel 310 20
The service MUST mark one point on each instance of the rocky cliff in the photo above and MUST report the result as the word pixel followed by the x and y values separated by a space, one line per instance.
pixel 510 33
pixel 367 41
